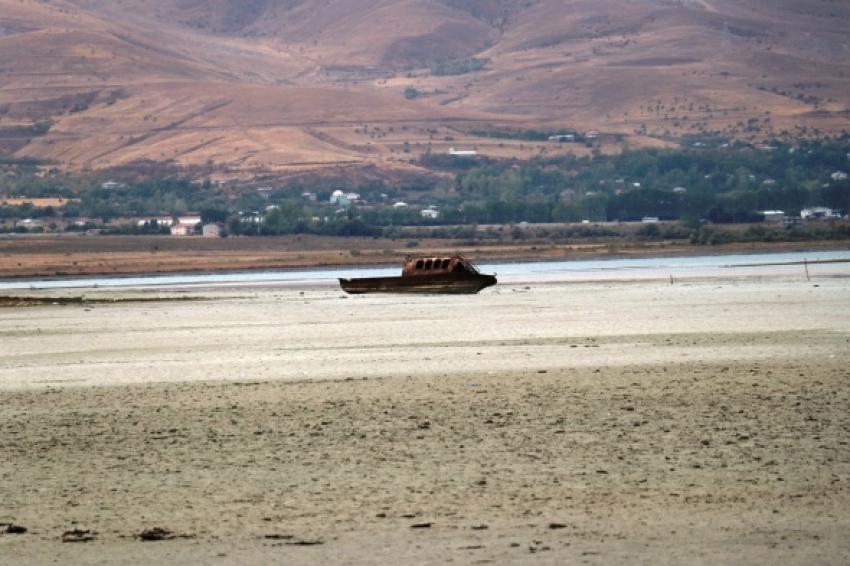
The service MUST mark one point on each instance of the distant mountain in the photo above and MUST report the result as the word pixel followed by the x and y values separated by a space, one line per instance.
pixel 305 85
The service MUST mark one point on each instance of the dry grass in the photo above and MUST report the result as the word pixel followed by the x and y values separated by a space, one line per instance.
pixel 286 90
pixel 36 202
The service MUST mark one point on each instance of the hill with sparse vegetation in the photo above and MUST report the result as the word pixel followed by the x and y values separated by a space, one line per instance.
pixel 364 87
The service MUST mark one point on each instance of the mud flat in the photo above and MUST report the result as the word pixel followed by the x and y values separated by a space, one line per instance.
pixel 614 422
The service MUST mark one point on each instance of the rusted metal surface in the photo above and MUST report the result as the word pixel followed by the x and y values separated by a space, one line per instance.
pixel 444 274
pixel 421 266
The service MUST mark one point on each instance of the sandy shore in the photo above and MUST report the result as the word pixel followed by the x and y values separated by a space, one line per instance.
pixel 609 422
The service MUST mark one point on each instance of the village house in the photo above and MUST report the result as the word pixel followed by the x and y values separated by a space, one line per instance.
pixel 430 212
pixel 338 197
pixel 159 221
pixel 212 230
pixel 182 229
pixel 818 212
pixel 776 216
pixel 29 223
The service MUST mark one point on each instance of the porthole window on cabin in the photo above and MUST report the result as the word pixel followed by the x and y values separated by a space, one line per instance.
pixel 420 264
pixel 428 264
pixel 445 263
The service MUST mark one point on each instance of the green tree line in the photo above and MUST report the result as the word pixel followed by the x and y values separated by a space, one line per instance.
pixel 724 184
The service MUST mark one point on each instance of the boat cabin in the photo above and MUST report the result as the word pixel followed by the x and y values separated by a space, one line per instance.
pixel 414 266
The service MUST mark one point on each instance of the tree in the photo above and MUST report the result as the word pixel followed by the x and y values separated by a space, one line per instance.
pixel 234 225
pixel 212 214
pixel 410 93
pixel 283 218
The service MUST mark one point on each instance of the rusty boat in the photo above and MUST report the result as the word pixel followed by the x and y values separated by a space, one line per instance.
pixel 439 274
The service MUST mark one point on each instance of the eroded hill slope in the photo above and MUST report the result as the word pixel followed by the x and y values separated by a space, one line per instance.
pixel 310 84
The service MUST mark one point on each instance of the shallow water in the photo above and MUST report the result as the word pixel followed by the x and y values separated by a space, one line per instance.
pixel 732 265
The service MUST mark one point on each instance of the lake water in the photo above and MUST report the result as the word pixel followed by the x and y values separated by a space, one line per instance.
pixel 836 261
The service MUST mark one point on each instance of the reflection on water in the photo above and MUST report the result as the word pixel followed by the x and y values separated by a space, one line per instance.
pixel 514 272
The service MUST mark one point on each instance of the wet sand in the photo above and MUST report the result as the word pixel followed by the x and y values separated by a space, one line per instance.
pixel 601 422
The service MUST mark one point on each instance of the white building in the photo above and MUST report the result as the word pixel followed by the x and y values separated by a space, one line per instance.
pixel 159 221
pixel 211 230
pixel 818 212
pixel 340 198
pixel 182 229
pixel 774 215
pixel 462 152
pixel 430 212
pixel 29 223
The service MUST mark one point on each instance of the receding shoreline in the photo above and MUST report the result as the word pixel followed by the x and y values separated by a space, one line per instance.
pixel 79 256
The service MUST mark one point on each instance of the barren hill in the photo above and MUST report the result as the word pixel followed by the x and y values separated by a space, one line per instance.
pixel 305 85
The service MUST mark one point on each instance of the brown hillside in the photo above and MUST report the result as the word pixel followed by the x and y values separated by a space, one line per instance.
pixel 309 84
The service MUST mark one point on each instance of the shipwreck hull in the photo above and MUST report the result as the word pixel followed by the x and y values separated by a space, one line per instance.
pixel 443 284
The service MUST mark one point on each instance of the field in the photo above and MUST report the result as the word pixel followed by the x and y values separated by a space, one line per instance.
pixel 36 202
